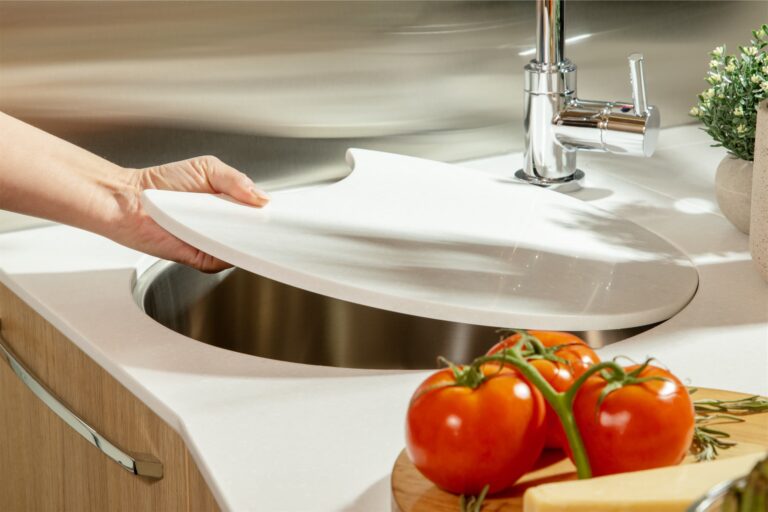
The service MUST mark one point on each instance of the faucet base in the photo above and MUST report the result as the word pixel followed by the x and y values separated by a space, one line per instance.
pixel 570 183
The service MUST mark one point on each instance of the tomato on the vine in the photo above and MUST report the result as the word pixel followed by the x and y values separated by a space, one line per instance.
pixel 642 425
pixel 463 435
pixel 577 357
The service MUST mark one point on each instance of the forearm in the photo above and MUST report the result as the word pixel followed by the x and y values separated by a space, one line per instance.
pixel 44 176
pixel 47 177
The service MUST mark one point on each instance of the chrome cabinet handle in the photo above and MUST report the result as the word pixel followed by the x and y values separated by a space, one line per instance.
pixel 138 464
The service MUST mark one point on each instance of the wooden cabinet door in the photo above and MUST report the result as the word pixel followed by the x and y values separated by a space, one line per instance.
pixel 45 465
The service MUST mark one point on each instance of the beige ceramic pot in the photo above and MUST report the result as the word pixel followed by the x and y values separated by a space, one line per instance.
pixel 733 187
pixel 758 239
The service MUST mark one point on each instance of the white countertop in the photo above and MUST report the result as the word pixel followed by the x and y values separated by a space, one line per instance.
pixel 14 221
pixel 270 435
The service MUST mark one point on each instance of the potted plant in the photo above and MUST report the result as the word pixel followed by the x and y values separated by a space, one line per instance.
pixel 728 110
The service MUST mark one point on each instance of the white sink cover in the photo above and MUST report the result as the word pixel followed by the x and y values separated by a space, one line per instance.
pixel 441 241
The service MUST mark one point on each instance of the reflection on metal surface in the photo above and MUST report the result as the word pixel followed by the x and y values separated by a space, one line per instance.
pixel 246 313
pixel 715 499
pixel 138 464
pixel 435 79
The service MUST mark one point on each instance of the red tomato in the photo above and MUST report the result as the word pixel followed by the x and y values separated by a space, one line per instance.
pixel 463 438
pixel 639 426
pixel 578 357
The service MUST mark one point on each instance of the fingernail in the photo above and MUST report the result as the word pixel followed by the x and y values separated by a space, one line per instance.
pixel 259 193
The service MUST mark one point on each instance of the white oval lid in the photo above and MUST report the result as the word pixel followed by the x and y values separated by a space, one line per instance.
pixel 437 240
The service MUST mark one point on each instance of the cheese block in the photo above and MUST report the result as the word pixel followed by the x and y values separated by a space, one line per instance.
pixel 670 489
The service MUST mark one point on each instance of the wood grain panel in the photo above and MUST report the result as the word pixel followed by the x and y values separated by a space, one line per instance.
pixel 45 465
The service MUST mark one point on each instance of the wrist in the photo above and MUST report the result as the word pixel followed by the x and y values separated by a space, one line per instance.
pixel 116 201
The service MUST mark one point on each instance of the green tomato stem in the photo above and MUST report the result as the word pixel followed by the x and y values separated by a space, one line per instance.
pixel 617 371
pixel 561 403
pixel 558 401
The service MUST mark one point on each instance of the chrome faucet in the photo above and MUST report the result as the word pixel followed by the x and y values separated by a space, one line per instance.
pixel 558 123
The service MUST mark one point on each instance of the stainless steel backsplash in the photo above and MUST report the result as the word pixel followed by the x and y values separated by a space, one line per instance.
pixel 439 79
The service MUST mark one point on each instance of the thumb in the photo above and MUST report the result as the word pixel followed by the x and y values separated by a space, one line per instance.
pixel 224 179
pixel 206 174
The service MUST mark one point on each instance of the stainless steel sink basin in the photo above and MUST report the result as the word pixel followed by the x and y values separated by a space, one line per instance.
pixel 240 311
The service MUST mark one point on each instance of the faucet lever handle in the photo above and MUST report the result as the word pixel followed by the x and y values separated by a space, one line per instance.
pixel 637 81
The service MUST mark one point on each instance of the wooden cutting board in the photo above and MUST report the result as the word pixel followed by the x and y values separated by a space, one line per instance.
pixel 412 492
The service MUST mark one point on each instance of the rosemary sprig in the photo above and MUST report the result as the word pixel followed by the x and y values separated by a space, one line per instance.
pixel 751 405
pixel 707 440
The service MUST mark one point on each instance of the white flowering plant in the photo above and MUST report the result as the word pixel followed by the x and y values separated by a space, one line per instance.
pixel 737 83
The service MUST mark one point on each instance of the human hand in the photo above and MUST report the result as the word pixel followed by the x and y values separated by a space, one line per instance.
pixel 45 176
pixel 206 174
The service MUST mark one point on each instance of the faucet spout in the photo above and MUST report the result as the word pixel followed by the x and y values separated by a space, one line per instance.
pixel 550 30
pixel 558 124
